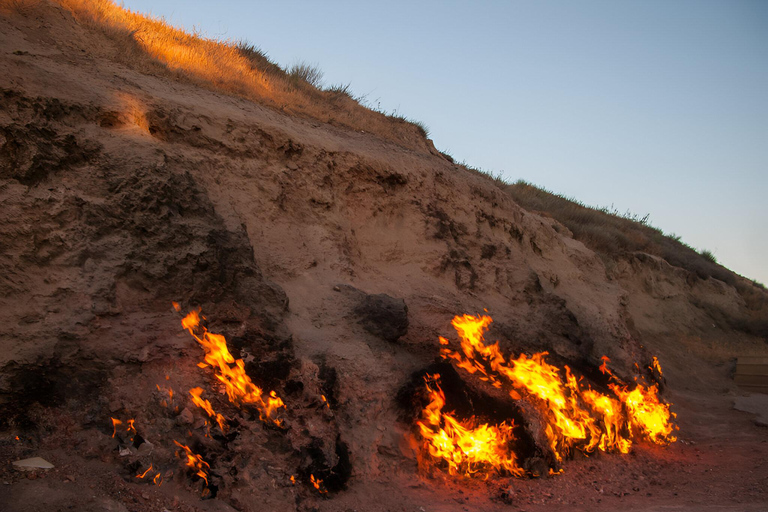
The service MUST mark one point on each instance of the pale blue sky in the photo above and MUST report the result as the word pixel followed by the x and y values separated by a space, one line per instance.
pixel 658 107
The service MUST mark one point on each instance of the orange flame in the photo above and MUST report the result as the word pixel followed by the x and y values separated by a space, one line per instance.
pixel 115 423
pixel 467 448
pixel 207 407
pixel 239 387
pixel 195 462
pixel 142 475
pixel 655 365
pixel 576 417
pixel 647 413
pixel 604 366
pixel 318 484
pixel 130 426
pixel 158 480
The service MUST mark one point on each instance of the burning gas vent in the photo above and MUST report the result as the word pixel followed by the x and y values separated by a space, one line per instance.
pixel 531 410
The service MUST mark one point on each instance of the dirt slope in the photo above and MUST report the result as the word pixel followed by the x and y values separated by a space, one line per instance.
pixel 122 192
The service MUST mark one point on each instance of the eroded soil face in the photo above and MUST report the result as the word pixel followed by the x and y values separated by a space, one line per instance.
pixel 331 261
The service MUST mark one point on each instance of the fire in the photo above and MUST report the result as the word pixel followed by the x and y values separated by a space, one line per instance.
pixel 142 475
pixel 231 372
pixel 195 462
pixel 318 484
pixel 651 417
pixel 206 406
pixel 466 448
pixel 656 366
pixel 576 416
pixel 115 423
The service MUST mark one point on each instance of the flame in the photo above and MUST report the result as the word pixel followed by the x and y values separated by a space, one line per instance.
pixel 142 475
pixel 207 407
pixel 655 365
pixel 604 366
pixel 317 483
pixel 130 426
pixel 293 480
pixel 158 480
pixel 115 423
pixel 239 387
pixel 576 416
pixel 466 448
pixel 647 413
pixel 195 462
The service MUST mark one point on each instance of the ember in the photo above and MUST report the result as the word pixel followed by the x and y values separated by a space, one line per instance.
pixel 318 484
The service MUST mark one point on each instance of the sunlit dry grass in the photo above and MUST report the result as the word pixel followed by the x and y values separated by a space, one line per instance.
pixel 151 45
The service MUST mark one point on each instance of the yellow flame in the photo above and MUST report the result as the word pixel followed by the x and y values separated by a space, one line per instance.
pixel 575 416
pixel 466 448
pixel 231 372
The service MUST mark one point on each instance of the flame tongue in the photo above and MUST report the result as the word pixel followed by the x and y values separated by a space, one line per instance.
pixel 577 416
pixel 466 448
pixel 197 399
pixel 195 462
pixel 231 372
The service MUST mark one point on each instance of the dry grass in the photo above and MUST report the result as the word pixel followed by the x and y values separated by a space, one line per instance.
pixel 611 233
pixel 151 45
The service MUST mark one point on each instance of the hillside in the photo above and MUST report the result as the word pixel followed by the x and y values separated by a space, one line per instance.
pixel 332 246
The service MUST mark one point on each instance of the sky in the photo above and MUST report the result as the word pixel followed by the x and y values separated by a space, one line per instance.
pixel 655 107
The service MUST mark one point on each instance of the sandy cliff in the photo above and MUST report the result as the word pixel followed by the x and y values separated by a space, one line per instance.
pixel 122 191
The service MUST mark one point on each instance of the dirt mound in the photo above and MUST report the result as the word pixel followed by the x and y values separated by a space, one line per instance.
pixel 331 260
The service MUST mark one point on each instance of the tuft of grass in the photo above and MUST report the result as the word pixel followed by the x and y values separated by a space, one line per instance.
pixel 308 73
pixel 708 255
pixel 341 90
pixel 448 156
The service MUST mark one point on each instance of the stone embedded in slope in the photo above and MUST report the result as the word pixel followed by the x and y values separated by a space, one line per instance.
pixel 383 316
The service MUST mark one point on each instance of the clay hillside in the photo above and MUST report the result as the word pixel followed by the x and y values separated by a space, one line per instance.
pixel 331 246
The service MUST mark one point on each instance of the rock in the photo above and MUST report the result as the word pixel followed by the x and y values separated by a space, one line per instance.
pixel 32 464
pixel 756 404
pixel 383 316
pixel 186 417
pixel 145 448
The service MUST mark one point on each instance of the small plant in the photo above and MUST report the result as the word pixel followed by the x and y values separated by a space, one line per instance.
pixel 423 128
pixel 341 90
pixel 308 73
pixel 708 255
pixel 448 156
